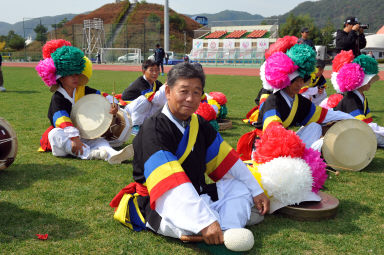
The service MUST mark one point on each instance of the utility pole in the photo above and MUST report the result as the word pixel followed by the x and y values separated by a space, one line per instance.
pixel 166 26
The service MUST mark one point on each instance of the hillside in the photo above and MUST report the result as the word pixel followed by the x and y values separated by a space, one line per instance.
pixel 30 24
pixel 368 11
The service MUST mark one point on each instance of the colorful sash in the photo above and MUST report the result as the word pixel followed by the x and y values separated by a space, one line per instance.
pixel 128 211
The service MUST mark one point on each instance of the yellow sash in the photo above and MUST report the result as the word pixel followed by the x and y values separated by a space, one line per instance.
pixel 292 114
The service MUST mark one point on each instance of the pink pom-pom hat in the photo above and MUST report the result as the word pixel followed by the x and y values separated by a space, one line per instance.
pixel 47 71
pixel 317 165
pixel 350 77
pixel 280 70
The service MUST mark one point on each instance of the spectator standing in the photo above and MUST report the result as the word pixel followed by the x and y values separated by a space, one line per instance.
pixel 305 38
pixel 351 37
pixel 159 56
pixel 2 89
pixel 371 54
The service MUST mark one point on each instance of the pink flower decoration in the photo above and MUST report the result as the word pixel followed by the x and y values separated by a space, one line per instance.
pixel 47 71
pixel 350 77
pixel 277 68
pixel 317 166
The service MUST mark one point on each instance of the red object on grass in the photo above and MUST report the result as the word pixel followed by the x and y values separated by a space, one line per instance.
pixel 42 236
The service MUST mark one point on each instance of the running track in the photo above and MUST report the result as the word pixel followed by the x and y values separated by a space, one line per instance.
pixel 207 69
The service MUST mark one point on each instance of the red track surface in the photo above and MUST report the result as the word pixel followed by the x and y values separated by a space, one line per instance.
pixel 207 69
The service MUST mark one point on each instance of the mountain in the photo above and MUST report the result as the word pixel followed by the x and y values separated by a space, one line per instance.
pixel 30 24
pixel 367 11
pixel 228 15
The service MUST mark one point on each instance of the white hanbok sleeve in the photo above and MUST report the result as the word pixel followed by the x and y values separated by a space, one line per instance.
pixel 336 115
pixel 241 172
pixel 71 131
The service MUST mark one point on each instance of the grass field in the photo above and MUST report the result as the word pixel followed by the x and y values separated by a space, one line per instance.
pixel 68 198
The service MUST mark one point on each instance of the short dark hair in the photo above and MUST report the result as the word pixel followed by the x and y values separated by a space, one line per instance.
pixel 157 45
pixel 305 30
pixel 320 64
pixel 148 63
pixel 185 71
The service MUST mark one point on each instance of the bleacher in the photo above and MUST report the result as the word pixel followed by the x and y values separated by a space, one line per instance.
pixel 216 35
pixel 236 34
pixel 257 34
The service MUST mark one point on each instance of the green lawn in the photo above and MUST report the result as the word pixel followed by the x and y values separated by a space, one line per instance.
pixel 68 198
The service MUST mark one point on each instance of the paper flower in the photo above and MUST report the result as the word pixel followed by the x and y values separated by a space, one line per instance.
pixel 47 71
pixel 304 57
pixel 52 45
pixel 277 68
pixel 277 141
pixel 282 45
pixel 341 59
pixel 317 165
pixel 350 77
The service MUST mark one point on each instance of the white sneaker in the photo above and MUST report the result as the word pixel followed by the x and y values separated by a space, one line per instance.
pixel 2 89
pixel 98 154
pixel 122 155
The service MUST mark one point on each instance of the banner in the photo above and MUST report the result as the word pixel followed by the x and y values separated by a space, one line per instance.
pixel 228 44
pixel 198 43
pixel 213 44
pixel 262 44
pixel 245 44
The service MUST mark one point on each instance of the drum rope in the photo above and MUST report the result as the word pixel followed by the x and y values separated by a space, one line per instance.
pixel 7 140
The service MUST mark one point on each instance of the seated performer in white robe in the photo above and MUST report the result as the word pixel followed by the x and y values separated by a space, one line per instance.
pixel 173 150
pixel 144 96
pixel 66 73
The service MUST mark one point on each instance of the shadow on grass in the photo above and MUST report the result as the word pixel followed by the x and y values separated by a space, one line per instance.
pixel 22 91
pixel 376 166
pixel 21 176
pixel 18 224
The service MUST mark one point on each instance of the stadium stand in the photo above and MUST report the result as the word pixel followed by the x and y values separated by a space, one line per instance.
pixel 236 34
pixel 216 35
pixel 257 34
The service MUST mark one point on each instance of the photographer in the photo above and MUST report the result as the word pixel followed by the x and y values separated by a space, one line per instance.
pixel 351 37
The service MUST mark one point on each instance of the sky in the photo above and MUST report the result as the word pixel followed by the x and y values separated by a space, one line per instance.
pixel 14 11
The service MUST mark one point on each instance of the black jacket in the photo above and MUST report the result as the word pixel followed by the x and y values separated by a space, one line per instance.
pixel 350 41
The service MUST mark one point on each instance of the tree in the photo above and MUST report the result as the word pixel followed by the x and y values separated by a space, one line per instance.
pixel 294 24
pixel 15 41
pixel 327 34
pixel 41 33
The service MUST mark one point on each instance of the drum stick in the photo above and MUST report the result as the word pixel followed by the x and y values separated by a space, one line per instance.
pixel 343 168
pixel 192 239
pixel 113 94
pixel 335 172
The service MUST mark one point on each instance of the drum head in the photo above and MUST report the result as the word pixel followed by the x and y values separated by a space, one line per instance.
pixel 8 144
pixel 313 211
pixel 349 145
pixel 91 116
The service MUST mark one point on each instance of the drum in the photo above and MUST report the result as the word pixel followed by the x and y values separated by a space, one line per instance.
pixel 90 115
pixel 224 124
pixel 120 129
pixel 313 211
pixel 8 144
pixel 349 145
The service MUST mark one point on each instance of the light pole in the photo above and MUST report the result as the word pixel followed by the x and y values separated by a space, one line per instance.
pixel 166 26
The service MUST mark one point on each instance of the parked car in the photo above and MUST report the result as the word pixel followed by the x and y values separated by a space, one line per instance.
pixel 129 57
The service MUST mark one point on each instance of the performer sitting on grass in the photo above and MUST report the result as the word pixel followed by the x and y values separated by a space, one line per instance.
pixel 144 96
pixel 315 90
pixel 173 150
pixel 286 106
pixel 354 79
pixel 66 70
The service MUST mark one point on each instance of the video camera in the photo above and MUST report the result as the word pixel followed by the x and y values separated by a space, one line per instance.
pixel 364 26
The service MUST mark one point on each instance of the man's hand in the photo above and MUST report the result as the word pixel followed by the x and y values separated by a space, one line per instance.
pixel 77 146
pixel 261 203
pixel 356 27
pixel 213 234
pixel 114 109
